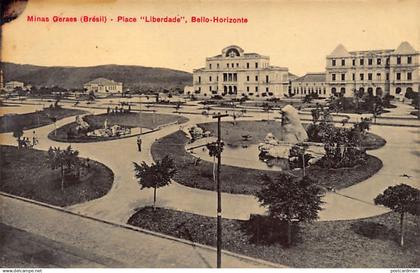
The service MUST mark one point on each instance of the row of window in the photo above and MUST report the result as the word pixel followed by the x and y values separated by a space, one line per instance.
pixel 233 89
pixel 370 76
pixel 370 61
pixel 236 65
pixel 309 90
pixel 229 77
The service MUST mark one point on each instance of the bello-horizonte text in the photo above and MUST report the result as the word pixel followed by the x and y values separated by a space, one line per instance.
pixel 141 19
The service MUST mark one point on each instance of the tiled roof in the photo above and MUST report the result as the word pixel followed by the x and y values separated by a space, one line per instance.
pixel 103 81
pixel 339 51
pixel 312 77
pixel 404 48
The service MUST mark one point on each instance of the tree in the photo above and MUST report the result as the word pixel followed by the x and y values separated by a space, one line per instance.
pixel 290 199
pixel 156 175
pixel 402 199
pixel 65 160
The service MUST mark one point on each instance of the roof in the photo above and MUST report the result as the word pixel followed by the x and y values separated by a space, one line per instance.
pixel 103 81
pixel 312 77
pixel 14 82
pixel 339 51
pixel 404 48
pixel 277 67
pixel 252 54
pixel 293 76
pixel 199 69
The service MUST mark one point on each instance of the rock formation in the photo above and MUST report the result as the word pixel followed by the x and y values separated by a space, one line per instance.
pixel 292 129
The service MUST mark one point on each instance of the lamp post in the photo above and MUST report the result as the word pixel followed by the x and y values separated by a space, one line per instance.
pixel 219 196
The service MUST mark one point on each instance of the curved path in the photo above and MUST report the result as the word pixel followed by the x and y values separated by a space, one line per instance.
pixel 400 155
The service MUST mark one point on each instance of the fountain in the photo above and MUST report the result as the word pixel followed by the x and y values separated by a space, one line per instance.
pixel 274 153
pixel 292 133
pixel 110 131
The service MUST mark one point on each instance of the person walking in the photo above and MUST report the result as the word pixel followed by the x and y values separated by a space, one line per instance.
pixel 139 143
pixel 34 139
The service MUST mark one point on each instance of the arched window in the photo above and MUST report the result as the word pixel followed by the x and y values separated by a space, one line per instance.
pixel 232 52
pixel 379 92
pixel 398 90
pixel 342 91
pixel 361 92
pixel 334 91
pixel 370 91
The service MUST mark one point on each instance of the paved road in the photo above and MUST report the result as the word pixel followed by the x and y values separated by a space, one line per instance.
pixel 20 248
pixel 92 243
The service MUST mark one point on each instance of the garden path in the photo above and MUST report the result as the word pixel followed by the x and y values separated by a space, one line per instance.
pixel 400 156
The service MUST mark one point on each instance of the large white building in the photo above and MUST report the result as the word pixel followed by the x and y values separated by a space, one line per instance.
pixel 103 85
pixel 378 72
pixel 235 73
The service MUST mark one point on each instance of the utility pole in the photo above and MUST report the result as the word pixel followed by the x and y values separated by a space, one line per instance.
pixel 219 196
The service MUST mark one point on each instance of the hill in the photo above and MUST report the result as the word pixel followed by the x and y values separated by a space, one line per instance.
pixel 74 77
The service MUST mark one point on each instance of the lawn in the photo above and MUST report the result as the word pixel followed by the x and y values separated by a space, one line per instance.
pixel 9 123
pixel 26 173
pixel 232 133
pixel 199 174
pixel 130 120
pixel 321 244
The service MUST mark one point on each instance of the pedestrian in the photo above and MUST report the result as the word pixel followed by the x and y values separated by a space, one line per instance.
pixel 139 143
pixel 34 139
pixel 108 109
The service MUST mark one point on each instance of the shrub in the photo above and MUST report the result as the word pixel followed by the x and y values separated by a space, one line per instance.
pixel 372 230
pixel 410 94
pixel 217 97
pixel 267 230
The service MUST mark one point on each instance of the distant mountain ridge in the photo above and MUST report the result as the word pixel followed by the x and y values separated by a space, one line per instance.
pixel 131 76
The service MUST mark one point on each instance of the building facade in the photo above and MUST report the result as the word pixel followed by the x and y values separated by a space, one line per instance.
pixel 310 83
pixel 235 73
pixel 12 85
pixel 103 85
pixel 378 72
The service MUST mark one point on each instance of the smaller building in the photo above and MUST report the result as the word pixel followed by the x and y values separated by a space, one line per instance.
pixel 12 85
pixel 103 85
pixel 310 83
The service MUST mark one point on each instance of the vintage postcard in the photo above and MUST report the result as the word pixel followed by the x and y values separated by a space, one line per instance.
pixel 210 134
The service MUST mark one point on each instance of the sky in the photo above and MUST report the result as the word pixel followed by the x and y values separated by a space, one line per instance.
pixel 295 34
